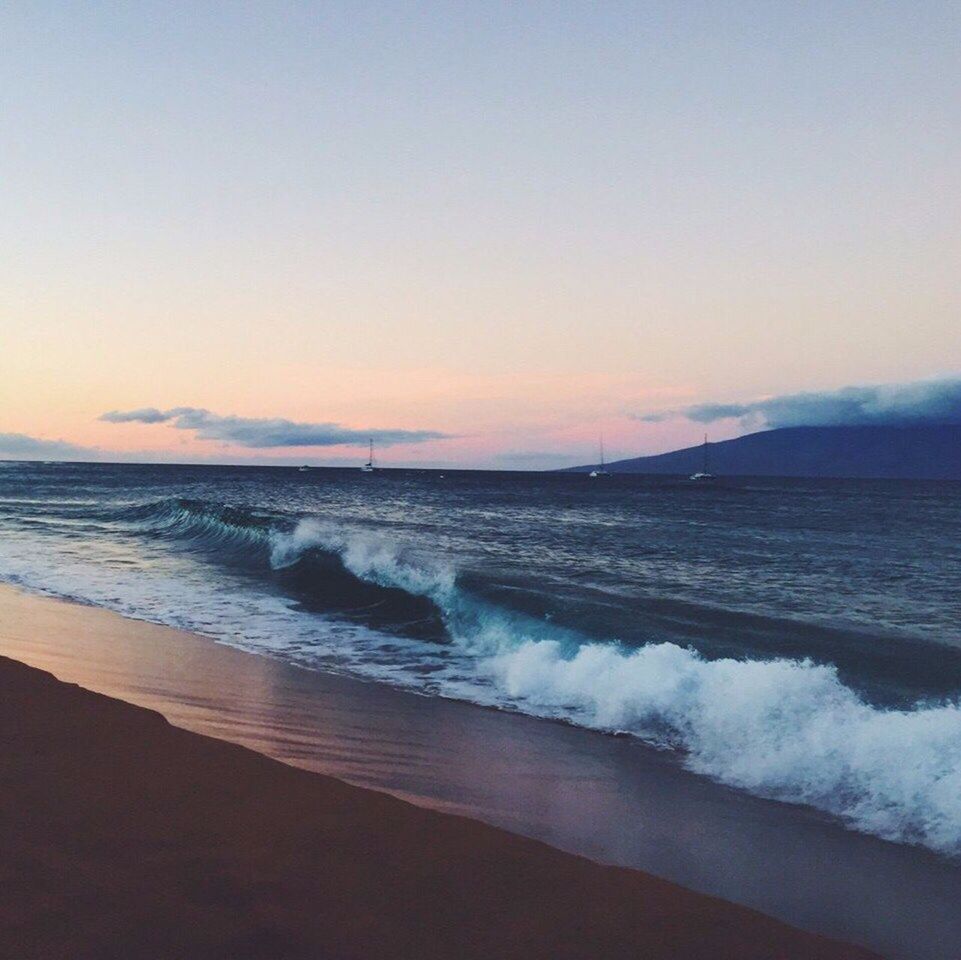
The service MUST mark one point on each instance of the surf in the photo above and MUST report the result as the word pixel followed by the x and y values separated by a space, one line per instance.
pixel 332 593
pixel 785 729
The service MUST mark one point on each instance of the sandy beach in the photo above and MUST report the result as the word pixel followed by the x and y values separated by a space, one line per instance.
pixel 480 481
pixel 126 836
pixel 607 798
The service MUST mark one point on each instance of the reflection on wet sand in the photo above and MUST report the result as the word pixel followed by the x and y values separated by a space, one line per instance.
pixel 608 798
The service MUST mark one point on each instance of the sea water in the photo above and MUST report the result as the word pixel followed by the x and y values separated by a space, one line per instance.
pixel 797 639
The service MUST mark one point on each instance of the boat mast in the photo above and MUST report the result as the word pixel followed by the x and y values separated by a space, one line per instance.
pixel 602 451
pixel 370 456
pixel 704 469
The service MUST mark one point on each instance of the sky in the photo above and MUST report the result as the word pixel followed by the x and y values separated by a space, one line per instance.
pixel 482 233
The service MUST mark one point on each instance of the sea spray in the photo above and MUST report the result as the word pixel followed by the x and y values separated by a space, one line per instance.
pixel 368 556
pixel 528 595
pixel 784 729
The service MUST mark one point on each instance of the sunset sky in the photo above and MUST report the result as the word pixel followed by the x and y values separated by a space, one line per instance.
pixel 483 232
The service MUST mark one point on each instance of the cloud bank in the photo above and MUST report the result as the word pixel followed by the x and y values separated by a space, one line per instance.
pixel 928 402
pixel 19 446
pixel 262 433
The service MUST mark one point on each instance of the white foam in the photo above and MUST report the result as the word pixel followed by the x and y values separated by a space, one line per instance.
pixel 368 556
pixel 784 729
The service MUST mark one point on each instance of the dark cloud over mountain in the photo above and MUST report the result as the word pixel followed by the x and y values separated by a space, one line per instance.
pixel 923 402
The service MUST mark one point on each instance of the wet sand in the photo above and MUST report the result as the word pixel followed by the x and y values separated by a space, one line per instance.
pixel 608 798
pixel 126 837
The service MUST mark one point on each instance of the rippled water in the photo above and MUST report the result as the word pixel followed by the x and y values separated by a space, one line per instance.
pixel 799 639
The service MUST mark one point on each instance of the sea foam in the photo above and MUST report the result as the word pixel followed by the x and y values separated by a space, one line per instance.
pixel 368 556
pixel 784 729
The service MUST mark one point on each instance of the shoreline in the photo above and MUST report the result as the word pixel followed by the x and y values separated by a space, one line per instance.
pixel 607 798
pixel 134 838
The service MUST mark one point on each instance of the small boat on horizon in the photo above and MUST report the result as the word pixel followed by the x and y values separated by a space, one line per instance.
pixel 369 467
pixel 703 475
pixel 599 470
pixel 303 469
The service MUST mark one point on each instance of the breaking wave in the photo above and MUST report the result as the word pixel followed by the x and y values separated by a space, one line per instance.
pixel 368 556
pixel 787 729
pixel 783 729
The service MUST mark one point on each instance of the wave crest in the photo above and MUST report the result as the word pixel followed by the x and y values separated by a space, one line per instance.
pixel 368 556
pixel 780 728
pixel 784 729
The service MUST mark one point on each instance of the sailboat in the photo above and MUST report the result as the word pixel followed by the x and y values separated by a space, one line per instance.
pixel 368 467
pixel 702 475
pixel 599 470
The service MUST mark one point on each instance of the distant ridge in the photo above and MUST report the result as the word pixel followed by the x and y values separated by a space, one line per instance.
pixel 866 452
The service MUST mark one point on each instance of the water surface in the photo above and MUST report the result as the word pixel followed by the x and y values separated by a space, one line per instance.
pixel 799 640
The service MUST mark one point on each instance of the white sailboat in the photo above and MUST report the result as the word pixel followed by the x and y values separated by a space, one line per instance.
pixel 703 475
pixel 599 470
pixel 368 467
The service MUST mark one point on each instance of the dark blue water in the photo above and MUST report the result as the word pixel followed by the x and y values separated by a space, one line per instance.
pixel 797 639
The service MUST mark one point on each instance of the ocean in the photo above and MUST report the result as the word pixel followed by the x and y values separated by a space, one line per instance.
pixel 796 639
